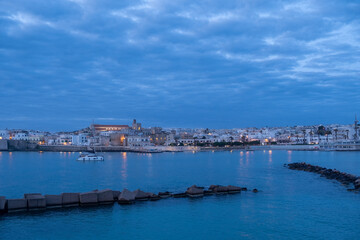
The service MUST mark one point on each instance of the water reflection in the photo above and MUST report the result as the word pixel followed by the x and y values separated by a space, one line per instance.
pixel 150 165
pixel 270 156
pixel 289 153
pixel 124 166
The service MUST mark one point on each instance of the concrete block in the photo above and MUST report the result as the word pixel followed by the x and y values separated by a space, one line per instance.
pixel 116 194
pixel 32 195
pixel 36 201
pixel 70 199
pixel 126 197
pixel 2 204
pixel 141 195
pixel 105 196
pixel 234 189
pixel 88 198
pixel 53 201
pixel 17 204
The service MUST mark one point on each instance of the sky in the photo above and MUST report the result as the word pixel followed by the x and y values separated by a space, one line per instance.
pixel 215 64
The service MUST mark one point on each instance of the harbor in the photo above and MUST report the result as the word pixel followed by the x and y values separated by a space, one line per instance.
pixel 283 193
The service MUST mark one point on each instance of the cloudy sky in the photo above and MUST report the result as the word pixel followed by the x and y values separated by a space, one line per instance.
pixel 216 64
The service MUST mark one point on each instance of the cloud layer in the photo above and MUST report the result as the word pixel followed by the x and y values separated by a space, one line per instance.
pixel 178 63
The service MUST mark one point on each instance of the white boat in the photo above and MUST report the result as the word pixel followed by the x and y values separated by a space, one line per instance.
pixel 90 157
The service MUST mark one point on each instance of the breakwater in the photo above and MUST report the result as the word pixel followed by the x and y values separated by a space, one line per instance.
pixel 344 178
pixel 37 201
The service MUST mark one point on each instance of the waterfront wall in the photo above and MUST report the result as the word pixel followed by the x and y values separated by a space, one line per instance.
pixel 21 145
pixel 286 147
pixel 3 145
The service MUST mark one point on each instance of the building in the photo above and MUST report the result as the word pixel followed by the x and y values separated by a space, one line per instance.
pixel 186 142
pixel 101 128
pixel 118 139
pixel 138 141
pixel 80 140
pixel 4 134
pixel 158 138
pixel 64 139
pixel 21 136
pixel 136 126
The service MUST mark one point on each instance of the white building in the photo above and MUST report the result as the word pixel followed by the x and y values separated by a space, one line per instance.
pixel 21 136
pixel 80 140
pixel 138 141
pixel 4 134
pixel 64 139
pixel 186 141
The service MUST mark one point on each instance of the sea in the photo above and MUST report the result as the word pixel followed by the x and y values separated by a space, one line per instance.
pixel 289 205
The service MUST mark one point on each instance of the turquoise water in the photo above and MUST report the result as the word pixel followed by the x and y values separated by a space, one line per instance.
pixel 291 204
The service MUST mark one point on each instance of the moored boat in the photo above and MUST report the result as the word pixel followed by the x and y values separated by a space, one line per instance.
pixel 90 157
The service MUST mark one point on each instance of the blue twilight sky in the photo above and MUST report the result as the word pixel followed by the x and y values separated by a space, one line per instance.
pixel 216 64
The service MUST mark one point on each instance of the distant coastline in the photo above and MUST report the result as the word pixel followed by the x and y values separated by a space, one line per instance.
pixel 33 147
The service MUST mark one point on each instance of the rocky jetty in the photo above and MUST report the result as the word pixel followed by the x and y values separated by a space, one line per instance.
pixel 126 197
pixel 344 178
pixel 195 191
pixel 37 201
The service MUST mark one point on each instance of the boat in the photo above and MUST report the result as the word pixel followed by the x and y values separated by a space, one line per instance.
pixel 90 157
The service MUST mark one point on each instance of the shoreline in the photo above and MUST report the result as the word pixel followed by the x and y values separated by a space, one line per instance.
pixel 157 149
pixel 31 147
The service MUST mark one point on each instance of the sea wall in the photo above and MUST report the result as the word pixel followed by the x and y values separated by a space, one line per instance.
pixel 286 147
pixel 21 145
pixel 37 201
pixel 3 145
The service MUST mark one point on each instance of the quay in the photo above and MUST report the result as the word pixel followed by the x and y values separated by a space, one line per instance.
pixel 37 201
pixel 344 178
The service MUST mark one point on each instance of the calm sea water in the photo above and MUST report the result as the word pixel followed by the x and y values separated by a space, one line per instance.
pixel 291 205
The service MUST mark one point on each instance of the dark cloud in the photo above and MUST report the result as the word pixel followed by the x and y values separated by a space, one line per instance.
pixel 185 63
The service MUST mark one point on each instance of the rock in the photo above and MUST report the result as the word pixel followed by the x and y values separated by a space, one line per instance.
pixel 17 204
pixel 53 201
pixel 154 197
pixel 116 194
pixel 2 204
pixel 126 197
pixel 70 199
pixel 357 183
pixel 194 191
pixel 35 200
pixel 141 196
pixel 208 192
pixel 234 189
pixel 89 198
pixel 105 196
pixel 212 187
pixel 255 190
pixel 164 194
pixel 221 189
pixel 179 195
